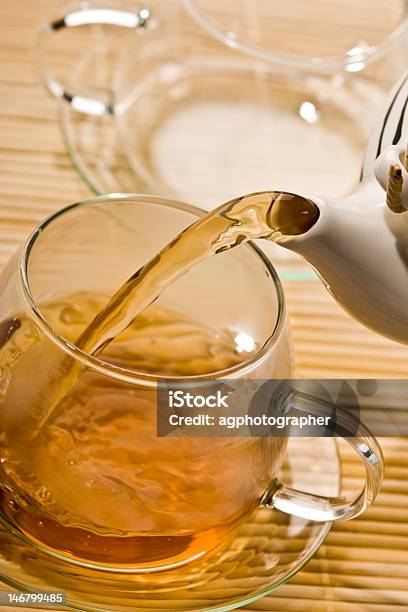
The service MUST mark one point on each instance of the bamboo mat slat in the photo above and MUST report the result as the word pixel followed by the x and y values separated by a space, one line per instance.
pixel 363 565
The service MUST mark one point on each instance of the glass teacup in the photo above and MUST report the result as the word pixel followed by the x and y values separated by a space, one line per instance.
pixel 203 100
pixel 91 482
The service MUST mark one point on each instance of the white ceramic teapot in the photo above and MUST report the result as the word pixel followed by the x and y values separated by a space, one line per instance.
pixel 359 245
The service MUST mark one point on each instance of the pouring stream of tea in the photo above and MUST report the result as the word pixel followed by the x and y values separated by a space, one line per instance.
pixel 265 215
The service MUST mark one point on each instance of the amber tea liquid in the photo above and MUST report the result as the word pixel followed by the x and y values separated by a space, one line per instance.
pixel 97 485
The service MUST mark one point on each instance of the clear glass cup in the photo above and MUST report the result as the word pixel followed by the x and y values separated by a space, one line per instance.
pixel 90 482
pixel 204 101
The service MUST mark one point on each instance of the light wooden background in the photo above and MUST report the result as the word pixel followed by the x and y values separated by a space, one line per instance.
pixel 363 566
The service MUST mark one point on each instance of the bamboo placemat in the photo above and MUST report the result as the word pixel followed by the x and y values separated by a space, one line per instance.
pixel 363 566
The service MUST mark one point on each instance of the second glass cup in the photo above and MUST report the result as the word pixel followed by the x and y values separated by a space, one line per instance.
pixel 204 101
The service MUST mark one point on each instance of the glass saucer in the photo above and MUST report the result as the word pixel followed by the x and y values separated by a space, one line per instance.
pixel 210 129
pixel 182 135
pixel 266 551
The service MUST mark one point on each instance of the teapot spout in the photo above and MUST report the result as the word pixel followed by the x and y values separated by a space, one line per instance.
pixel 361 254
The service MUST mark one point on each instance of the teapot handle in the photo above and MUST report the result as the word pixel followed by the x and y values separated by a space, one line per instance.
pixel 391 127
pixel 84 17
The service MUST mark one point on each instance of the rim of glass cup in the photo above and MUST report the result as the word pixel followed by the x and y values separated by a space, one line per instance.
pixel 351 62
pixel 114 371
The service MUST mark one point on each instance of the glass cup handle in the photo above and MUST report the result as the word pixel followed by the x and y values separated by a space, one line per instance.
pixel 97 106
pixel 319 508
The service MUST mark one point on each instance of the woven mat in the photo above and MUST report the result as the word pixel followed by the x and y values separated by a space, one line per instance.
pixel 363 566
